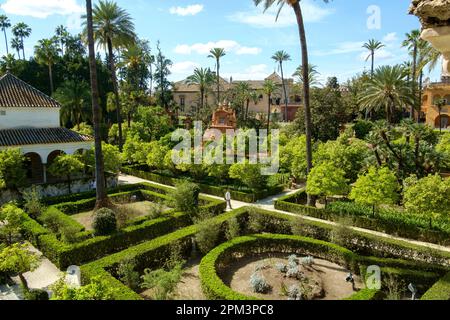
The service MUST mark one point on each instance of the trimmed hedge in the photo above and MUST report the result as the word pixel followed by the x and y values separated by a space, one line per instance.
pixel 217 259
pixel 386 221
pixel 205 188
pixel 440 290
pixel 153 254
pixel 91 248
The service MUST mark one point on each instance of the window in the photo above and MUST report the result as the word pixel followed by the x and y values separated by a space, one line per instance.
pixel 182 103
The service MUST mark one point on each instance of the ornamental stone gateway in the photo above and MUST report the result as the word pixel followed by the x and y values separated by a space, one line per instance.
pixel 434 16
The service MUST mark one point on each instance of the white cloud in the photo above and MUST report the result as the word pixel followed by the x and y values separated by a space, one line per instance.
pixel 390 37
pixel 228 45
pixel 184 68
pixel 260 19
pixel 191 10
pixel 254 72
pixel 342 48
pixel 42 8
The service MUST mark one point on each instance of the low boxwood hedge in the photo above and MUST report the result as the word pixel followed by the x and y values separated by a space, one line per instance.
pixel 214 263
pixel 205 188
pixel 387 221
pixel 440 290
pixel 154 253
pixel 90 248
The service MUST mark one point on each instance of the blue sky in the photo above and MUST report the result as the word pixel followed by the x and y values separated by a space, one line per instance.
pixel 188 28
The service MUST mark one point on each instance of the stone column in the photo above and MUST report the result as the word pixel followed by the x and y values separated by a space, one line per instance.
pixel 44 172
pixel 439 38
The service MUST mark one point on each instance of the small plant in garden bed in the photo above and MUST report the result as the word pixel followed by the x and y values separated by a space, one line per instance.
pixel 259 284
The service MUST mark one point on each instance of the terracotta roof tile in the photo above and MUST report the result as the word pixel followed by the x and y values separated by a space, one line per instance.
pixel 17 93
pixel 33 136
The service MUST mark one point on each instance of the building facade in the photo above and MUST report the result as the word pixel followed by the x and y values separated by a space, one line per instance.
pixel 187 97
pixel 30 121
pixel 436 105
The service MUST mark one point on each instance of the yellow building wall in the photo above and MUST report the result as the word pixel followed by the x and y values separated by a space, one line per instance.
pixel 431 95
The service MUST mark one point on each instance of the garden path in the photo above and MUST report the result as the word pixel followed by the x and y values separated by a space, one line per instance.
pixel 268 204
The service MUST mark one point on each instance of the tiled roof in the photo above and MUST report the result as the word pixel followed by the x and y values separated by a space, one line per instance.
pixel 33 136
pixel 17 93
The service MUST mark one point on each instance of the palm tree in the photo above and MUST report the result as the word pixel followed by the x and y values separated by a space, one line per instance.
pixel 46 53
pixel 203 78
pixel 269 88
pixel 21 31
pixel 412 42
pixel 5 24
pixel 74 97
pixel 244 95
pixel 372 45
pixel 312 75
pixel 7 63
pixel 295 4
pixel 388 88
pixel 280 57
pixel 62 34
pixel 17 45
pixel 217 53
pixel 113 28
pixel 102 197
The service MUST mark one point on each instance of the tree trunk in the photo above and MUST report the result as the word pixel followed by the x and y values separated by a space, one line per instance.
pixel 305 71
pixel 414 68
pixel 50 75
pixel 112 67
pixel 218 81
pixel 246 109
pixel 102 197
pixel 268 113
pixel 285 94
pixel 420 96
pixel 24 282
pixel 6 42
pixel 23 49
pixel 373 65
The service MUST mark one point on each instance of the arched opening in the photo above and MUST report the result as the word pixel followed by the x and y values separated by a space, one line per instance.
pixel 442 121
pixel 35 168
pixel 50 159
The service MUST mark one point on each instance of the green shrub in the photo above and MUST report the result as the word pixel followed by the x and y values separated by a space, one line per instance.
pixel 440 290
pixel 207 235
pixel 128 275
pixel 32 203
pixel 104 222
pixel 36 294
pixel 185 197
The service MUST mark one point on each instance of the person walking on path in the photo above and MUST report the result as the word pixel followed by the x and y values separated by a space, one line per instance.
pixel 228 199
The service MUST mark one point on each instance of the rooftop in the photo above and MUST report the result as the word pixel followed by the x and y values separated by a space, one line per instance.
pixel 33 136
pixel 15 93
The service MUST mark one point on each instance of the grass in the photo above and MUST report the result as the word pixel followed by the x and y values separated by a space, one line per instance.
pixel 134 210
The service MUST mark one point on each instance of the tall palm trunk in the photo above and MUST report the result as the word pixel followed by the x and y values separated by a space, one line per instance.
pixel 50 75
pixel 268 112
pixel 246 109
pixel 414 83
pixel 305 71
pixel 285 93
pixel 112 67
pixel 6 42
pixel 102 198
pixel 420 96
pixel 23 47
pixel 372 70
pixel 218 80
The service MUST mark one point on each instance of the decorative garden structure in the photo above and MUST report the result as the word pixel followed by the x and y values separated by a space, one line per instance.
pixel 435 18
